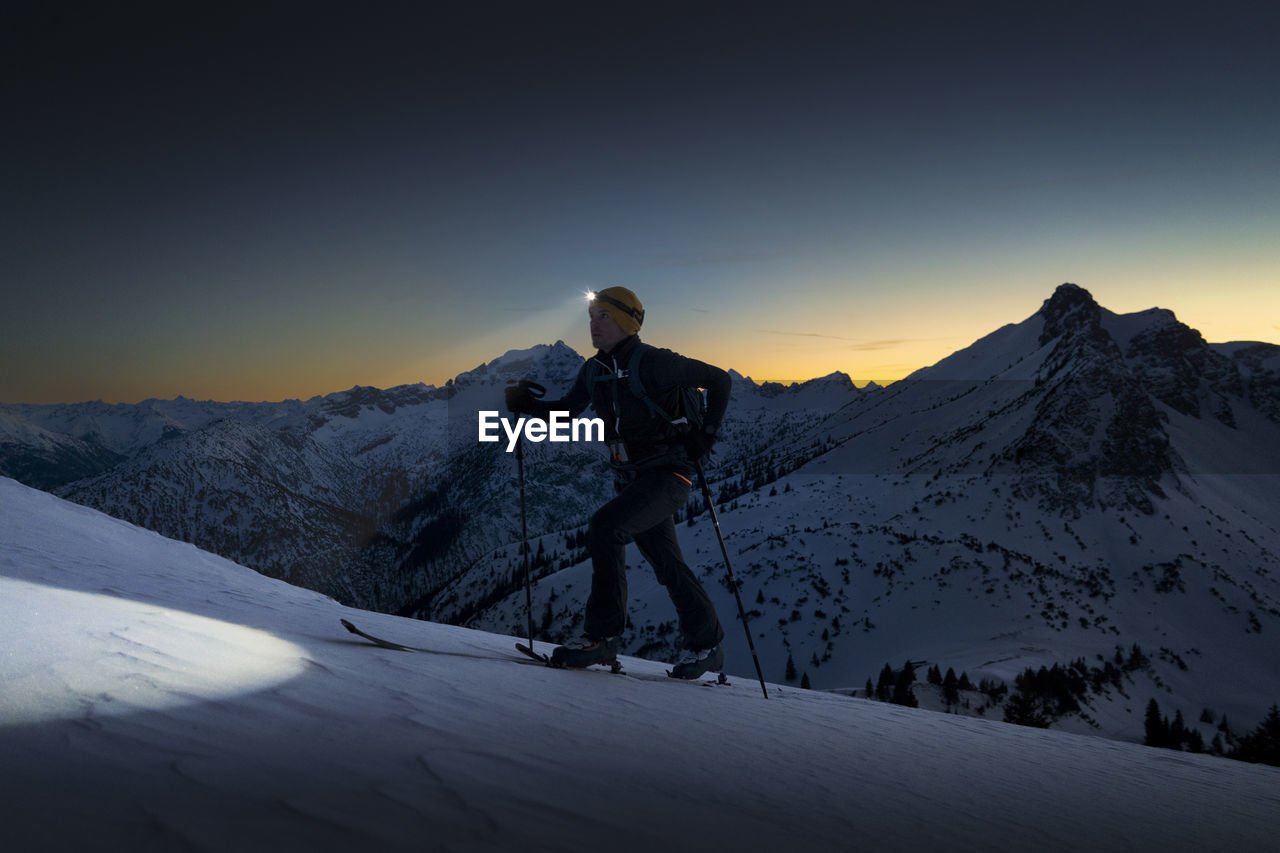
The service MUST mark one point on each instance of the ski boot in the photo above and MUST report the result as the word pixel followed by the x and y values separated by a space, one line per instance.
pixel 694 663
pixel 586 651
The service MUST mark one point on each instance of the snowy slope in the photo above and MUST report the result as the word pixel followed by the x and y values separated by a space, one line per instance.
pixel 153 696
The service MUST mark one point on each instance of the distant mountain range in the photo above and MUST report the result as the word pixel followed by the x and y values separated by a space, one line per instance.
pixel 1066 491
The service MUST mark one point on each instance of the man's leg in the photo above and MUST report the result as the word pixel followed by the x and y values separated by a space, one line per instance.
pixel 645 503
pixel 699 624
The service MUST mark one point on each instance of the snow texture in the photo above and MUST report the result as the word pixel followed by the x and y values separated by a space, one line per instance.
pixel 156 697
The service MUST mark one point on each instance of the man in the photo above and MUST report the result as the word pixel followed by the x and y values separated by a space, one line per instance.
pixel 653 466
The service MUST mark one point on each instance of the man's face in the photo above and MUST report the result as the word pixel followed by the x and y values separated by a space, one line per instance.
pixel 605 333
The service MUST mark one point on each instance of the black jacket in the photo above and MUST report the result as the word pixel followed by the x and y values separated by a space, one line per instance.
pixel 648 439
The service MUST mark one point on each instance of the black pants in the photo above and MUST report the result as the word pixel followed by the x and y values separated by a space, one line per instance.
pixel 643 512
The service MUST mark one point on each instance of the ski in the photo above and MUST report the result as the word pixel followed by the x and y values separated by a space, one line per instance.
pixel 722 680
pixel 400 647
pixel 525 650
pixel 530 656
pixel 615 667
pixel 378 641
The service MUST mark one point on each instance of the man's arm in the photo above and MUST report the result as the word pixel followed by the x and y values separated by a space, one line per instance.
pixel 574 402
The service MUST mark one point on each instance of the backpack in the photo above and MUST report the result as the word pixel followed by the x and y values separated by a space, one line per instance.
pixel 683 424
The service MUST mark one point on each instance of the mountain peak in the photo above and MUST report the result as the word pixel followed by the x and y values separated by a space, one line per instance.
pixel 547 362
pixel 837 379
pixel 1070 308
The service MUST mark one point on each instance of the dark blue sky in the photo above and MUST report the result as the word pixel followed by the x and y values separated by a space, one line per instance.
pixel 239 203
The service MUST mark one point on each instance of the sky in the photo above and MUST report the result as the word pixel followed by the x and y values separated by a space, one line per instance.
pixel 263 202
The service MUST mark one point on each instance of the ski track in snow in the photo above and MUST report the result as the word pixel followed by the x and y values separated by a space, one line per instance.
pixel 198 705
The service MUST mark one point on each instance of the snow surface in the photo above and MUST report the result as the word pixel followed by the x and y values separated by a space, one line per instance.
pixel 154 696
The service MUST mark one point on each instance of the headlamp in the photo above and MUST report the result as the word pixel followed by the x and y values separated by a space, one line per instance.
pixel 636 313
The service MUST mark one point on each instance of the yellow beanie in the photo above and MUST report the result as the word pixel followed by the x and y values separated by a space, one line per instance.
pixel 623 306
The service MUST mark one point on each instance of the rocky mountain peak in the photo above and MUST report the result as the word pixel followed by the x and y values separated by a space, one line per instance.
pixel 1070 309
pixel 556 362
pixel 1177 367
pixel 1097 435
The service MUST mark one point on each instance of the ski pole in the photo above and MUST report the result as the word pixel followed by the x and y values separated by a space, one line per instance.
pixel 536 391
pixel 524 539
pixel 733 582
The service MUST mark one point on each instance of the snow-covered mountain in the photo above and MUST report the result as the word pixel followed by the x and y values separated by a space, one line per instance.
pixel 157 697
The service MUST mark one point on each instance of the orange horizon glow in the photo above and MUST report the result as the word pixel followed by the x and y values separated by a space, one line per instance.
pixel 763 356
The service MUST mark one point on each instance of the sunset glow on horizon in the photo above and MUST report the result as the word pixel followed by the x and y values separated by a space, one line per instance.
pixel 246 208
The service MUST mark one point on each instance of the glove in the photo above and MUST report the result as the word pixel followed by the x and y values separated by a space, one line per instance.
pixel 522 397
pixel 699 443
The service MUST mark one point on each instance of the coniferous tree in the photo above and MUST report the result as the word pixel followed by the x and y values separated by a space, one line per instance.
pixel 1024 710
pixel 804 682
pixel 1177 730
pixel 884 687
pixel 1195 741
pixel 1262 745
pixel 791 668
pixel 902 694
pixel 1155 726
pixel 951 688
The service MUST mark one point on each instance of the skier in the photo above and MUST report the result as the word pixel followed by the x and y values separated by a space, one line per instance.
pixel 653 468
